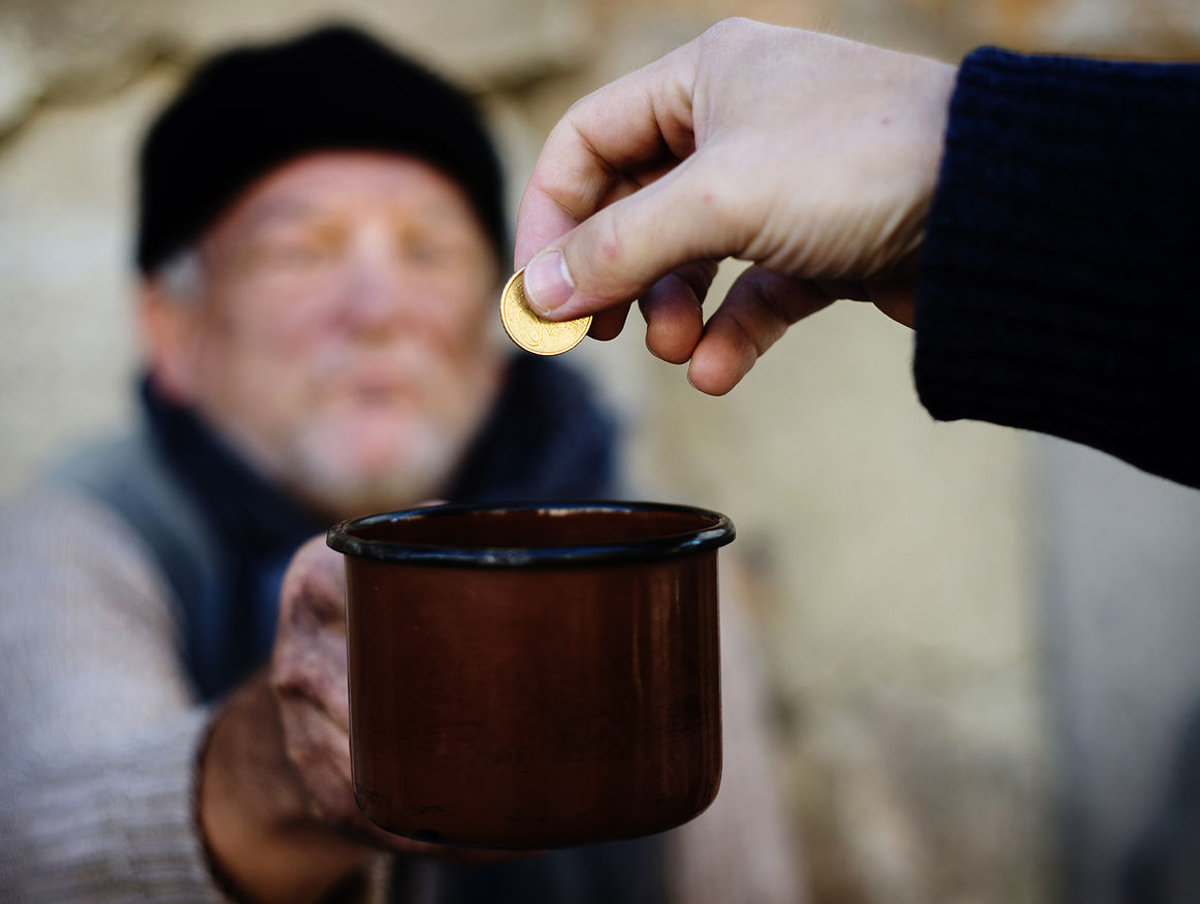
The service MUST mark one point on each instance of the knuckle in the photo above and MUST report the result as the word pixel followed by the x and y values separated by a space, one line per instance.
pixel 285 683
pixel 311 592
pixel 297 581
pixel 610 245
pixel 305 676
pixel 567 123
pixel 301 673
pixel 728 28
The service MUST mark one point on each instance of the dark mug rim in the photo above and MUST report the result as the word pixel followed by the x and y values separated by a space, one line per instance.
pixel 719 532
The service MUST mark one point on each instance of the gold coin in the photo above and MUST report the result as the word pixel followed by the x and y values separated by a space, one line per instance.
pixel 531 332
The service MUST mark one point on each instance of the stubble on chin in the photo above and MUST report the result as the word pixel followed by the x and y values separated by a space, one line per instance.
pixel 336 480
pixel 409 459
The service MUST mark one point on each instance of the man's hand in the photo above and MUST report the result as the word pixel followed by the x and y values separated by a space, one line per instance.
pixel 276 800
pixel 811 156
pixel 308 679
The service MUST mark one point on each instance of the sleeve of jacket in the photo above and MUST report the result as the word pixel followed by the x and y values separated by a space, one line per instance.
pixel 98 732
pixel 1058 288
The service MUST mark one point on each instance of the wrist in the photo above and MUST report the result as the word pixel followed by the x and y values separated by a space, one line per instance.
pixel 263 843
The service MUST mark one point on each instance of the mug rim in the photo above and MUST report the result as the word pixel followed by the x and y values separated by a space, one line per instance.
pixel 717 534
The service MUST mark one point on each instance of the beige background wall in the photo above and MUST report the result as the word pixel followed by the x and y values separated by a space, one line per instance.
pixel 894 561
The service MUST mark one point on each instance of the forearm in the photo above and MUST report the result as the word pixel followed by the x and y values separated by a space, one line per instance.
pixel 253 813
pixel 1056 289
pixel 106 822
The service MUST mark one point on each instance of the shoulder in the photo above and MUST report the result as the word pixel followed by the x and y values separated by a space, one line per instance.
pixel 90 639
pixel 69 543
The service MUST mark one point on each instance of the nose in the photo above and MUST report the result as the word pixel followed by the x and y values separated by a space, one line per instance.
pixel 377 298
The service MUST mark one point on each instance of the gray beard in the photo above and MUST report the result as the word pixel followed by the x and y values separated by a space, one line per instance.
pixel 419 475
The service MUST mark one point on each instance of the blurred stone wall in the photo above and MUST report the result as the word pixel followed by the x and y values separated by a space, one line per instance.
pixel 894 563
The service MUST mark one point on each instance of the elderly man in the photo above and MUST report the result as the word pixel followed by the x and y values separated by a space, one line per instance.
pixel 321 241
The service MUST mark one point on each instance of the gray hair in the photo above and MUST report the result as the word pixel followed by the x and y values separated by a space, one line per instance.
pixel 182 275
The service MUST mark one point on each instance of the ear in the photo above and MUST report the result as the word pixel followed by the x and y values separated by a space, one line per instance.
pixel 170 331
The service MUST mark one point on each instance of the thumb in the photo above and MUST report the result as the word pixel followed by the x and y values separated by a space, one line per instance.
pixel 615 255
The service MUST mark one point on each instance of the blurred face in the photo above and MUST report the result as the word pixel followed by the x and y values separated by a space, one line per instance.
pixel 343 342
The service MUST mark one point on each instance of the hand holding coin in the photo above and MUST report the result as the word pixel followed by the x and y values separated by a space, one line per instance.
pixel 737 144
pixel 531 332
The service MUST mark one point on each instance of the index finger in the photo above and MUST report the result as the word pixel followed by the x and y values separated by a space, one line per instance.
pixel 314 584
pixel 630 126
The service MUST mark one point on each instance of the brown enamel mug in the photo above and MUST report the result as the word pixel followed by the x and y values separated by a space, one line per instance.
pixel 534 676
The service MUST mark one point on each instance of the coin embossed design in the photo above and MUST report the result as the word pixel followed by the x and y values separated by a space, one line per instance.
pixel 531 332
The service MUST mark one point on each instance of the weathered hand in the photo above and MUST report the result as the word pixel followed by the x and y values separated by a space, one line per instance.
pixel 813 157
pixel 309 680
pixel 276 803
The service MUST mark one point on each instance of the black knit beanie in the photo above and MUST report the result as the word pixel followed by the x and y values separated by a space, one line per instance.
pixel 250 109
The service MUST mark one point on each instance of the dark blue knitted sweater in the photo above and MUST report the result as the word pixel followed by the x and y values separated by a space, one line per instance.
pixel 1059 288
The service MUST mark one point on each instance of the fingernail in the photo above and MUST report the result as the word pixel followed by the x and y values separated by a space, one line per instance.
pixel 547 282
